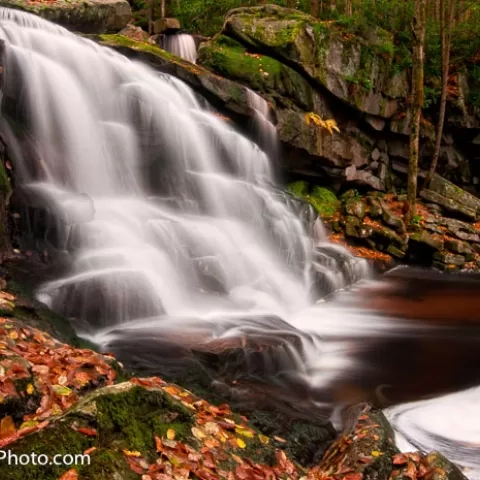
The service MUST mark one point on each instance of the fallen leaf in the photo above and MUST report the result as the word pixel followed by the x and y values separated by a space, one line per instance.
pixel 241 443
pixel 170 433
pixel 244 432
pixel 197 433
pixel 91 432
pixel 130 453
pixel 61 390
pixel 30 389
pixel 7 427
pixel 69 475
pixel 263 439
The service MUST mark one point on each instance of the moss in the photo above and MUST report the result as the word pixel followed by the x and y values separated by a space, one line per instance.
pixel 322 199
pixel 126 419
pixel 131 418
pixel 230 59
pixel 299 189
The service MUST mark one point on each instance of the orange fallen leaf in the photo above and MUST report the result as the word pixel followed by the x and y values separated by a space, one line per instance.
pixel 7 427
pixel 69 475
pixel 91 432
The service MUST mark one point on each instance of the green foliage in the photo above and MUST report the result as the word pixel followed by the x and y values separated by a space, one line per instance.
pixel 416 219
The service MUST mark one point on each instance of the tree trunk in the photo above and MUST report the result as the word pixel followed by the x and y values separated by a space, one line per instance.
pixel 447 12
pixel 418 30
pixel 348 8
pixel 314 8
pixel 162 9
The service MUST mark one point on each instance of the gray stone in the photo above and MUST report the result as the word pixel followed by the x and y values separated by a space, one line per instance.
pixel 435 242
pixel 448 204
pixel 450 259
pixel 449 190
pixel 85 16
pixel 166 25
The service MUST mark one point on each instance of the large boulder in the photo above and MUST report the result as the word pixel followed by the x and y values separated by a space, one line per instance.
pixel 86 16
pixel 357 71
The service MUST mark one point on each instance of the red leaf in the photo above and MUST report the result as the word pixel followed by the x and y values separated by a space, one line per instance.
pixel 91 432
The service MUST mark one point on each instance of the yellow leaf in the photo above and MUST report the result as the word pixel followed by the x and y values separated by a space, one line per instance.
pixel 244 432
pixel 170 433
pixel 376 453
pixel 197 433
pixel 30 423
pixel 30 389
pixel 61 390
pixel 263 439
pixel 13 334
pixel 241 443
pixel 130 453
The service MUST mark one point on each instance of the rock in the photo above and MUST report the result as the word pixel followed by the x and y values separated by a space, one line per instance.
pixel 313 48
pixel 434 242
pixel 449 204
pixel 377 123
pixel 383 236
pixel 166 25
pixel 457 195
pixel 355 207
pixel 135 33
pixel 458 246
pixel 375 207
pixel 391 219
pixel 371 433
pixel 449 259
pixel 362 177
pixel 443 468
pixel 85 16
pixel 461 230
pixel 395 252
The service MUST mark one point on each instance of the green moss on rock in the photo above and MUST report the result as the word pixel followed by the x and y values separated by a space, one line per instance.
pixel 322 199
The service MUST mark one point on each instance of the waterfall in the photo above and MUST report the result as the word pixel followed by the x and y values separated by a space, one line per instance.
pixel 264 125
pixel 167 218
pixel 184 221
pixel 182 45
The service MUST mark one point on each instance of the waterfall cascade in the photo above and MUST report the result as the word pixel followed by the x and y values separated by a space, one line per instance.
pixel 168 218
pixel 182 45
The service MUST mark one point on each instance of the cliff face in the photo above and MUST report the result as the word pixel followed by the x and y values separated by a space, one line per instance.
pixel 306 66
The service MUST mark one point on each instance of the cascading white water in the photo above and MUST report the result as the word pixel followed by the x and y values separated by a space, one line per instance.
pixel 168 216
pixel 181 201
pixel 265 127
pixel 182 45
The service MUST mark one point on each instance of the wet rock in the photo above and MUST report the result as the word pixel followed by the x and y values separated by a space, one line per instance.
pixel 449 204
pixel 441 468
pixel 365 448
